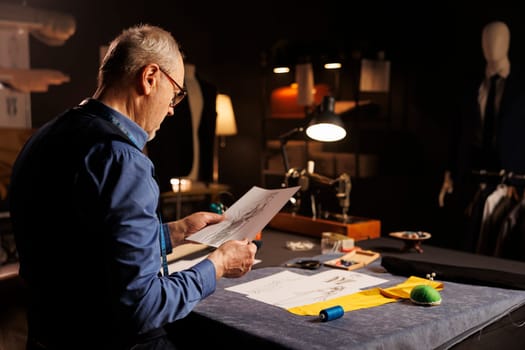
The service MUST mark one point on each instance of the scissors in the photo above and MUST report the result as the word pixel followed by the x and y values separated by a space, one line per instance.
pixel 305 264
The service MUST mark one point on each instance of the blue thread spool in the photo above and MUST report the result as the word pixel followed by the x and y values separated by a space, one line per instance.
pixel 331 313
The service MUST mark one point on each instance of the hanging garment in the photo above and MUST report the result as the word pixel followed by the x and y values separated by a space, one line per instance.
pixel 511 239
pixel 486 224
pixel 492 225
pixel 474 217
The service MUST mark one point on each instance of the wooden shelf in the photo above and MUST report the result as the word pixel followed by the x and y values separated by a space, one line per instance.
pixel 358 228
pixel 198 189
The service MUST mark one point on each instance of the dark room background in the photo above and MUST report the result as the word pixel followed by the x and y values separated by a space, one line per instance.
pixel 433 53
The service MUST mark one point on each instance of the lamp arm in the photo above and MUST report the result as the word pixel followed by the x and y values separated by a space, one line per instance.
pixel 287 135
pixel 285 156
pixel 283 138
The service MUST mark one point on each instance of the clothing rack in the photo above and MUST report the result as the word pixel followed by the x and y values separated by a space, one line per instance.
pixel 496 215
pixel 502 177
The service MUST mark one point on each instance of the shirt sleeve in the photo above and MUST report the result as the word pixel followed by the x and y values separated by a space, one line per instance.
pixel 131 195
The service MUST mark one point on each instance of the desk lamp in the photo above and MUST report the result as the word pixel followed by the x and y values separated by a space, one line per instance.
pixel 324 126
pixel 225 126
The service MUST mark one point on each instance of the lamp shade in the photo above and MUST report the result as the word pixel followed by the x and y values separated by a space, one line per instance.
pixel 326 126
pixel 225 124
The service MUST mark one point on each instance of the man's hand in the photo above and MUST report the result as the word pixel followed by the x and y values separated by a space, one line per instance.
pixel 446 188
pixel 233 258
pixel 185 227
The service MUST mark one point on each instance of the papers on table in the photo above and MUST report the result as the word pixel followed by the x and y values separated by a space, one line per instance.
pixel 287 289
pixel 247 216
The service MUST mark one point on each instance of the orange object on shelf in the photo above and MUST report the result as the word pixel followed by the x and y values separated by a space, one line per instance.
pixel 284 101
pixel 358 228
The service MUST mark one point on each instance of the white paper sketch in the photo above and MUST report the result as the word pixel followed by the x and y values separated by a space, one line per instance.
pixel 275 281
pixel 246 217
pixel 286 290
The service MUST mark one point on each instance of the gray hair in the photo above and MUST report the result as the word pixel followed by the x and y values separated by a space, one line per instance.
pixel 133 49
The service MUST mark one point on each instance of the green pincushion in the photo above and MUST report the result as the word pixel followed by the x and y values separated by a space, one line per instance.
pixel 425 295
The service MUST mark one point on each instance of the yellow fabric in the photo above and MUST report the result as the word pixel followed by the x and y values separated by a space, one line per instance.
pixel 367 298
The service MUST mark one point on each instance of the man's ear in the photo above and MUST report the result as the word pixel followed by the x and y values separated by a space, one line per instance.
pixel 148 79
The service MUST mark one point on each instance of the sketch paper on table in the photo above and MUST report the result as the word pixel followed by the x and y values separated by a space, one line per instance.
pixel 286 289
pixel 274 281
pixel 247 216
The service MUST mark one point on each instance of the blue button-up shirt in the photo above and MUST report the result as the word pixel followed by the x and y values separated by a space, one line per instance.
pixel 84 200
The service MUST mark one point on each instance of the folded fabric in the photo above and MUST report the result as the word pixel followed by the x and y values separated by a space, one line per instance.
pixel 367 298
pixel 456 272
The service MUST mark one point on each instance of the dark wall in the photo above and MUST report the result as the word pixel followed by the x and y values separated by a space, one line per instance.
pixel 433 52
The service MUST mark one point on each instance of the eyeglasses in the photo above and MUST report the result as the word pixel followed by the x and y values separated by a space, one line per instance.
pixel 179 96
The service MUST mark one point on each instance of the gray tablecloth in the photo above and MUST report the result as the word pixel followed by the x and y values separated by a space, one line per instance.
pixel 465 309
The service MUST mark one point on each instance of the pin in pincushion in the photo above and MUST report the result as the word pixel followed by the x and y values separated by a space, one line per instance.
pixel 425 295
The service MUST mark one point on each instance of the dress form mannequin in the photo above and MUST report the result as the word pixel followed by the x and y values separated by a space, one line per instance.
pixel 183 147
pixel 483 146
pixel 196 104
pixel 495 43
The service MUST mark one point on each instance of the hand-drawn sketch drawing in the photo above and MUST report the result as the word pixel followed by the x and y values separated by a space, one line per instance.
pixel 246 217
pixel 285 289
pixel 238 221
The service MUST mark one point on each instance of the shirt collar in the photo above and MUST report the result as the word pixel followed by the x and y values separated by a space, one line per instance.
pixel 132 129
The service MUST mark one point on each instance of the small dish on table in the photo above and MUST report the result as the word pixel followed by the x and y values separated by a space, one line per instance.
pixel 412 239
